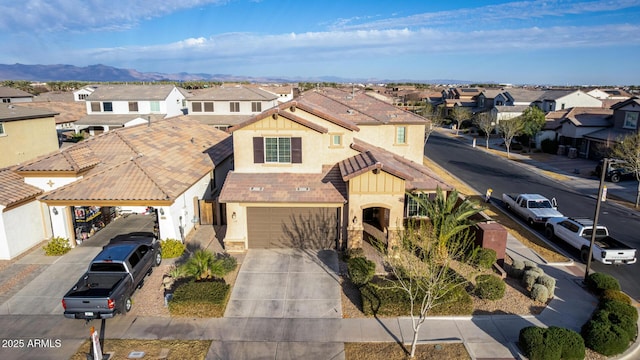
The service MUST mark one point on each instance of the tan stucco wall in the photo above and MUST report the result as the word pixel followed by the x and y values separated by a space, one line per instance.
pixel 384 136
pixel 24 140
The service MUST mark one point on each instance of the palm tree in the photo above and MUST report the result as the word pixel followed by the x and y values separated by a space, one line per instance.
pixel 199 265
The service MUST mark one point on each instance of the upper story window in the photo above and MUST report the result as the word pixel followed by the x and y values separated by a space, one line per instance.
pixel 208 106
pixel 401 134
pixel 6 100
pixel 82 96
pixel 630 120
pixel 95 106
pixel 284 150
pixel 336 140
pixel 256 106
pixel 234 106
pixel 107 106
pixel 133 106
pixel 196 107
pixel 2 129
pixel 155 106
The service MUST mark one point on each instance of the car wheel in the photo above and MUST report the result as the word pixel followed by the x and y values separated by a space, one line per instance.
pixel 584 254
pixel 548 232
pixel 615 177
pixel 158 259
pixel 127 305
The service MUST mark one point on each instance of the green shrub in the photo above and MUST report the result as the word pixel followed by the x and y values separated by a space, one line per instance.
pixel 57 246
pixel 571 343
pixel 171 248
pixel 214 292
pixel 619 307
pixel 485 258
pixel 624 321
pixel 530 277
pixel 617 295
pixel 551 343
pixel 549 283
pixel 539 293
pixel 222 265
pixel 528 264
pixel 199 265
pixel 360 270
pixel 536 344
pixel 489 287
pixel 516 270
pixel 605 337
pixel 456 302
pixel 599 282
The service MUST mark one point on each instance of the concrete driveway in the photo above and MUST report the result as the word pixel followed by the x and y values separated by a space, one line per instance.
pixel 287 283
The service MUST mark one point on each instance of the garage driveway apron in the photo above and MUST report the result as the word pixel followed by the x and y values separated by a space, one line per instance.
pixel 287 283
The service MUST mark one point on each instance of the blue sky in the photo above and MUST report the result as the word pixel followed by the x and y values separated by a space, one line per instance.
pixel 560 42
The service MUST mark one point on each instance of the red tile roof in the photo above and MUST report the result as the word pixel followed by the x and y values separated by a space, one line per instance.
pixel 14 189
pixel 326 187
pixel 138 163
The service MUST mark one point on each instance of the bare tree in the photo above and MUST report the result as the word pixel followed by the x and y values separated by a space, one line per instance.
pixel 460 114
pixel 510 129
pixel 435 120
pixel 486 122
pixel 422 269
pixel 628 150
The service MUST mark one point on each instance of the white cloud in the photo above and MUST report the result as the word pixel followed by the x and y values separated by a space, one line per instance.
pixel 79 16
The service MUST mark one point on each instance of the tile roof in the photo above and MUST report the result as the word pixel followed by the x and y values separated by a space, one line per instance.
pixel 14 189
pixel 115 119
pixel 229 120
pixel 325 187
pixel 9 92
pixel 160 161
pixel 287 115
pixel 609 135
pixel 233 93
pixel 11 112
pixel 524 95
pixel 416 176
pixel 130 92
pixel 67 111
pixel 633 100
pixel 589 117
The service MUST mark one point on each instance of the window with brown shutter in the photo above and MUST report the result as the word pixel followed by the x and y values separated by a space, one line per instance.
pixel 258 150
pixel 296 150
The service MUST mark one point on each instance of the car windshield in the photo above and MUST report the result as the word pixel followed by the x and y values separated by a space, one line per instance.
pixel 540 204
pixel 599 233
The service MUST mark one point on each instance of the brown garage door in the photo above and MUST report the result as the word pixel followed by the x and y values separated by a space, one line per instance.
pixel 305 228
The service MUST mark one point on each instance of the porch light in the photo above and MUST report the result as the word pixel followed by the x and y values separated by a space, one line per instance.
pixel 162 211
pixel 233 215
pixel 55 211
pixel 355 219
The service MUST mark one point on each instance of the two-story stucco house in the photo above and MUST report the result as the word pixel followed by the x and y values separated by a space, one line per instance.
pixel 553 100
pixel 226 106
pixel 114 106
pixel 26 133
pixel 624 122
pixel 317 171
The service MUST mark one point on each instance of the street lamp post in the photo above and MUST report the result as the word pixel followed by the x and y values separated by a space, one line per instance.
pixel 605 166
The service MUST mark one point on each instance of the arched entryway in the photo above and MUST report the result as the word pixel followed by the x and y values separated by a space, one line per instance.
pixel 375 221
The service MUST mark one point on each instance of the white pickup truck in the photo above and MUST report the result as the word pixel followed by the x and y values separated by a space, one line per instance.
pixel 535 209
pixel 577 233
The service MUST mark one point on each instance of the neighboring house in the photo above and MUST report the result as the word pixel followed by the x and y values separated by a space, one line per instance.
pixel 283 92
pixel 610 94
pixel 508 112
pixel 83 94
pixel 175 165
pixel 22 220
pixel 9 95
pixel 68 112
pixel 490 98
pixel 575 124
pixel 226 106
pixel 25 133
pixel 552 100
pixel 318 171
pixel 624 123
pixel 522 96
pixel 114 106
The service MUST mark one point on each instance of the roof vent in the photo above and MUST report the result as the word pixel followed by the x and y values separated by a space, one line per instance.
pixel 303 188
pixel 274 116
pixel 350 111
pixel 292 108
pixel 256 188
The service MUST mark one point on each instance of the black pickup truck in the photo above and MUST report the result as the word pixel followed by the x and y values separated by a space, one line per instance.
pixel 113 275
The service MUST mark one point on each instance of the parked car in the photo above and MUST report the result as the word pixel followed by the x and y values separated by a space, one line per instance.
pixel 113 275
pixel 535 209
pixel 577 233
pixel 617 170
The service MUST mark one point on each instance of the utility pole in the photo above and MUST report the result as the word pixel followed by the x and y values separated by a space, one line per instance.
pixel 603 172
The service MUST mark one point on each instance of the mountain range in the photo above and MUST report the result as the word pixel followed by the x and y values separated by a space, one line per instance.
pixel 105 73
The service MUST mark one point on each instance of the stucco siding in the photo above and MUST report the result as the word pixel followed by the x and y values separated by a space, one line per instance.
pixel 24 140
